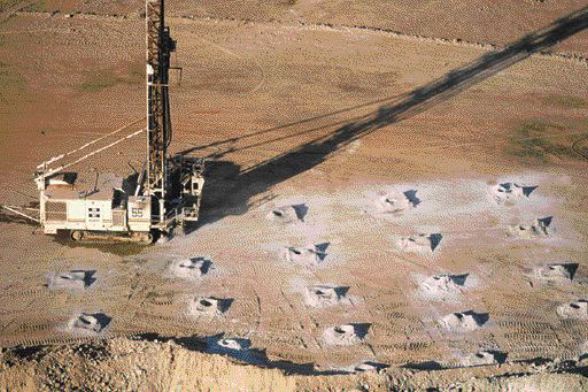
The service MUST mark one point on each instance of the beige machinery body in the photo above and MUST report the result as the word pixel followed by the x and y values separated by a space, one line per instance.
pixel 106 208
pixel 166 192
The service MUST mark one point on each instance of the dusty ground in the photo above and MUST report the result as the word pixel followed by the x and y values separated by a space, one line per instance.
pixel 173 366
pixel 305 104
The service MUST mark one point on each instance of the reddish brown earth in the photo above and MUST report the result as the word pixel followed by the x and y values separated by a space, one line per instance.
pixel 313 103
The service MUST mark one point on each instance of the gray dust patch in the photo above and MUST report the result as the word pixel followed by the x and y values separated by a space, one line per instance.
pixel 539 228
pixel 288 214
pixel 442 286
pixel 369 366
pixel 309 255
pixel 321 296
pixel 423 244
pixel 90 322
pixel 464 321
pixel 236 347
pixel 577 310
pixel 208 306
pixel 483 358
pixel 509 193
pixel 71 280
pixel 396 203
pixel 346 334
pixel 190 268
pixel 555 273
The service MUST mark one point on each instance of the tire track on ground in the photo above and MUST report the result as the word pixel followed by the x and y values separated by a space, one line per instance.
pixel 576 147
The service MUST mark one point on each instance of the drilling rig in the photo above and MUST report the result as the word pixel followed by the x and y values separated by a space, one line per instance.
pixel 167 190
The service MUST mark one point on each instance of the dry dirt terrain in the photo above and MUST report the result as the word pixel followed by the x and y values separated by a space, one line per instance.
pixel 120 364
pixel 393 189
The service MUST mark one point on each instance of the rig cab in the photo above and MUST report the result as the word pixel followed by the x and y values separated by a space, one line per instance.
pixel 167 191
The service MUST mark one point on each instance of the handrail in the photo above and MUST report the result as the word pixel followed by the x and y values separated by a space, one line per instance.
pixel 56 170
pixel 60 157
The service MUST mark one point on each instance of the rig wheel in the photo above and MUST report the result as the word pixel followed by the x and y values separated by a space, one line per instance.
pixel 144 238
pixel 147 238
pixel 77 235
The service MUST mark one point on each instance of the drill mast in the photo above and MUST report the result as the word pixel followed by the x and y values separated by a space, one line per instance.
pixel 168 190
pixel 159 49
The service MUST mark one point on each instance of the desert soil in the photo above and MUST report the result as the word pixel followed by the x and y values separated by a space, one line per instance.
pixel 384 121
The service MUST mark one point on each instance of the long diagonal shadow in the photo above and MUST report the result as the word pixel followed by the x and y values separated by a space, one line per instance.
pixel 281 127
pixel 221 200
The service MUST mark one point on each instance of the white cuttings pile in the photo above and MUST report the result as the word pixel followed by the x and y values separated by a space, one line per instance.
pixel 442 286
pixel 320 296
pixel 418 243
pixel 287 214
pixel 510 193
pixel 369 366
pixel 577 310
pixel 480 358
pixel 309 255
pixel 463 321
pixel 344 335
pixel 72 280
pixel 396 202
pixel 536 229
pixel 89 322
pixel 191 268
pixel 554 273
pixel 229 345
pixel 206 306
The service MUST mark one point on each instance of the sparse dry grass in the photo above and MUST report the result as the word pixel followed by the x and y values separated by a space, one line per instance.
pixel 566 101
pixel 6 4
pixel 11 82
pixel 102 79
pixel 533 141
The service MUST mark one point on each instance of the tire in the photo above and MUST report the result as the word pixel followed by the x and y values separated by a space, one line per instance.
pixel 77 235
pixel 148 238
pixel 143 238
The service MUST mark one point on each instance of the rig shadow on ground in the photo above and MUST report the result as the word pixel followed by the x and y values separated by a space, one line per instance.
pixel 230 190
